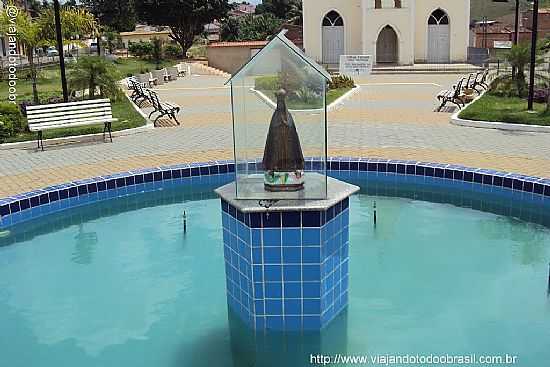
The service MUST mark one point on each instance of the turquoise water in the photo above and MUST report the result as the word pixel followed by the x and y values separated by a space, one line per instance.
pixel 119 284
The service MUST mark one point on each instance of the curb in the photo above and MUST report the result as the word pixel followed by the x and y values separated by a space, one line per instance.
pixel 331 107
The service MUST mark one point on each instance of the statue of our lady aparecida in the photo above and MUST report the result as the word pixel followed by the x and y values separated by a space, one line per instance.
pixel 283 158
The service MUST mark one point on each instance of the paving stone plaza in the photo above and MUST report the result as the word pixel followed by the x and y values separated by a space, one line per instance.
pixel 391 117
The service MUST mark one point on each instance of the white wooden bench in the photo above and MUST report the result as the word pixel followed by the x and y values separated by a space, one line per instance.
pixel 72 114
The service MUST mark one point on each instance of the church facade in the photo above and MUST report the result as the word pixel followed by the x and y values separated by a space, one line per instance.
pixel 400 32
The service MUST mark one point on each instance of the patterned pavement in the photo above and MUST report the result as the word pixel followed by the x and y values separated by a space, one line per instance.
pixel 391 117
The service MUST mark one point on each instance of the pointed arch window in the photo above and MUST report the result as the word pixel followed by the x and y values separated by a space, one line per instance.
pixel 438 17
pixel 333 19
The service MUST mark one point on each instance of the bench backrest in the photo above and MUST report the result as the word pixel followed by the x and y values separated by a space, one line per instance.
pixel 173 71
pixel 458 88
pixel 154 98
pixel 144 78
pixel 60 114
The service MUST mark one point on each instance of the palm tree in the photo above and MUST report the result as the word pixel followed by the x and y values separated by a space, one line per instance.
pixel 32 33
pixel 94 72
pixel 519 58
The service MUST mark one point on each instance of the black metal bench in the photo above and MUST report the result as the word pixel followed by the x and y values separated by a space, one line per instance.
pixel 480 81
pixel 140 94
pixel 452 95
pixel 163 108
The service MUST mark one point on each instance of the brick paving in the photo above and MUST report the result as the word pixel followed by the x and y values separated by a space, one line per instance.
pixel 391 117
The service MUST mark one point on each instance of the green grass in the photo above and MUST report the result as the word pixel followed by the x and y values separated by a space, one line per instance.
pixel 510 110
pixel 334 94
pixel 128 118
pixel 49 84
pixel 296 104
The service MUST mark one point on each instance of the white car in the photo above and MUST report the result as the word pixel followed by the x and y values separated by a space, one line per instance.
pixel 52 51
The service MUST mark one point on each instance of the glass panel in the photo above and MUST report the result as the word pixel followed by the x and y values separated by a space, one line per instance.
pixel 255 97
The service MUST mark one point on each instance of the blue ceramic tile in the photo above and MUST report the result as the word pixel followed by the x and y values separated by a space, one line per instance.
pixel 273 290
pixel 292 255
pixel 311 306
pixel 271 220
pixel 312 290
pixel 271 237
pixel 272 273
pixel 311 272
pixel 291 219
pixel 311 255
pixel 293 307
pixel 291 237
pixel 311 237
pixel 272 255
pixel 311 322
pixel 311 219
pixel 259 308
pixel 274 322
pixel 273 307
pixel 291 272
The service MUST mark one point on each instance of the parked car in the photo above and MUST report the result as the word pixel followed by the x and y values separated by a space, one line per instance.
pixel 93 47
pixel 52 51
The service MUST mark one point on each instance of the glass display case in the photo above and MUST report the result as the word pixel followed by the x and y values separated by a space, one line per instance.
pixel 280 124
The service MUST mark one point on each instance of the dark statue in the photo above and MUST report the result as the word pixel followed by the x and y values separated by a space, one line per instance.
pixel 283 158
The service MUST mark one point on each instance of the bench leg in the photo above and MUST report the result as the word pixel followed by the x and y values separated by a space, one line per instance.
pixel 107 128
pixel 443 103
pixel 175 119
pixel 40 140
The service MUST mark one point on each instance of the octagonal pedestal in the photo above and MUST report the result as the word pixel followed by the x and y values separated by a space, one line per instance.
pixel 287 266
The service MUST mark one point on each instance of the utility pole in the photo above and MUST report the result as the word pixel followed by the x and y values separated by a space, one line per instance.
pixel 60 50
pixel 533 54
pixel 516 35
pixel 516 29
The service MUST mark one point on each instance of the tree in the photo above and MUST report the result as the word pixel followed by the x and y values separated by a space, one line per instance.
pixel 34 33
pixel 186 18
pixel 519 57
pixel 295 14
pixel 250 27
pixel 282 9
pixel 157 51
pixel 117 15
pixel 91 72
pixel 230 29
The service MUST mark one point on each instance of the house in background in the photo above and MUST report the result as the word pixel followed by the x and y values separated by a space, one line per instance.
pixel 393 31
pixel 145 33
pixel 230 56
pixel 242 9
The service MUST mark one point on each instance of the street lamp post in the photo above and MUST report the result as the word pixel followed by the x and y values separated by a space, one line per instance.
pixel 60 50
pixel 533 54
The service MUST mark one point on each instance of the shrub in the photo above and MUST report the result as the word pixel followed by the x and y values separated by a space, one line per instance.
pixel 541 95
pixel 173 51
pixel 341 81
pixel 267 83
pixel 306 95
pixel 506 86
pixel 141 49
pixel 11 120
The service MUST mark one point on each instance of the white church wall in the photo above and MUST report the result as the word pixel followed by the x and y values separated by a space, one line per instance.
pixel 459 16
pixel 315 11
